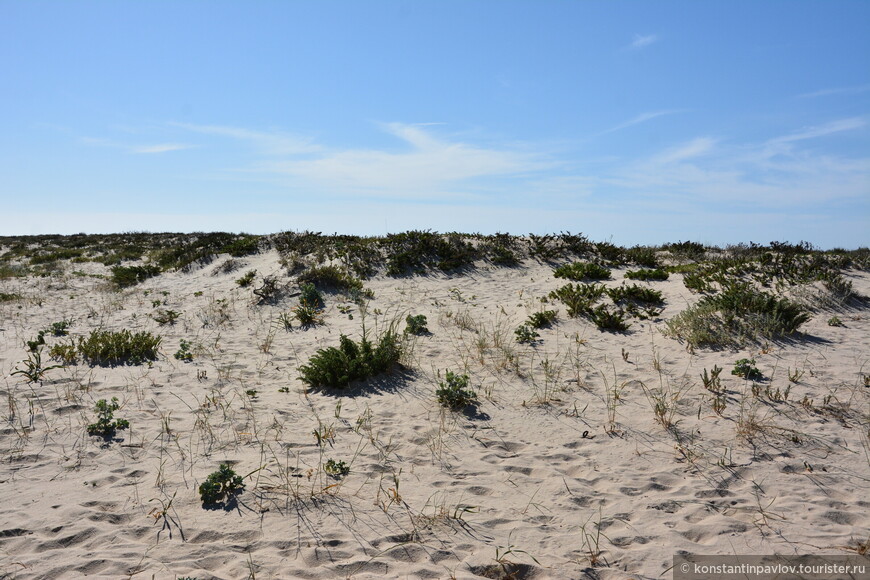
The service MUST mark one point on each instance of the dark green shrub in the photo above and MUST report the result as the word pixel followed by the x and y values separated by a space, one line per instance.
pixel 60 328
pixel 269 291
pixel 183 353
pixel 642 256
pixel 582 271
pixel 337 367
pixel 636 294
pixel 686 250
pixel 310 297
pixel 108 348
pixel 244 246
pixel 9 296
pixel 306 315
pixel 454 393
pixel 165 317
pixel 609 252
pixel 65 353
pixel 607 319
pixel 126 276
pixel 644 274
pixel 542 319
pixel 221 485
pixel 416 325
pixel 106 424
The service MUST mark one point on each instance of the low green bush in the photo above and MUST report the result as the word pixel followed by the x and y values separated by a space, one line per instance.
pixel 542 319
pixel 332 278
pixel 109 348
pixel 578 298
pixel 453 393
pixel 106 424
pixel 646 274
pixel 220 486
pixel 582 271
pixel 745 369
pixel 126 276
pixel 416 324
pixel 247 279
pixel 526 334
pixel 606 319
pixel 336 367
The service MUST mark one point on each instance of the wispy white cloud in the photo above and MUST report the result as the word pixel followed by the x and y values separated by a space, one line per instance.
pixel 146 149
pixel 694 148
pixel 430 166
pixel 642 41
pixel 642 118
pixel 835 91
pixel 272 143
pixel 822 130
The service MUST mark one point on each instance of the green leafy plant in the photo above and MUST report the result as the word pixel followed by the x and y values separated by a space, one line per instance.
pixel 106 424
pixel 606 319
pixel 835 321
pixel 745 369
pixel 34 370
pixel 711 381
pixel 220 486
pixel 35 344
pixel 163 317
pixel 336 367
pixel 110 348
pixel 306 315
pixel 526 334
pixel 331 277
pixel 183 353
pixel 64 352
pixel 268 291
pixel 645 274
pixel 578 298
pixel 247 279
pixel 542 319
pixel 416 324
pixel 126 276
pixel 453 393
pixel 60 328
pixel 336 469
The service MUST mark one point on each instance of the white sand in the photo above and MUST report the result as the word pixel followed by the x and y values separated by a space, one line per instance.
pixel 430 493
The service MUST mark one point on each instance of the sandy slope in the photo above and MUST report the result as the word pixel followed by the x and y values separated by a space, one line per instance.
pixel 563 469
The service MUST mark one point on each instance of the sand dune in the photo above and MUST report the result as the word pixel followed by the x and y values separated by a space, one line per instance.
pixel 564 469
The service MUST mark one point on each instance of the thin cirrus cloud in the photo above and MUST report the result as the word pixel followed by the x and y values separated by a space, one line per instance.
pixel 642 118
pixel 835 91
pixel 142 149
pixel 822 130
pixel 642 41
pixel 270 143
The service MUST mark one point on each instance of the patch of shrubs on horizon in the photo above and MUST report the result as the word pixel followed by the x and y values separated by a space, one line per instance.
pixel 582 271
pixel 633 300
pixel 647 275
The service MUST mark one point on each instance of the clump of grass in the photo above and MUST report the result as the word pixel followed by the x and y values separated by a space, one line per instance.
pixel 336 367
pixel 310 297
pixel 646 274
pixel 9 296
pixel 33 371
pixel 106 424
pixel 416 325
pixel 110 348
pixel 163 317
pixel 247 279
pixel 333 278
pixel 220 486
pixel 126 276
pixel 453 393
pixel 582 271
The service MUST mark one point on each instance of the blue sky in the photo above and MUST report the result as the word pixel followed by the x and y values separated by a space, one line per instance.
pixel 636 122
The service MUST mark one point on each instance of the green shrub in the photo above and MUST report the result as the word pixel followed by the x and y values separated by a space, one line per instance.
pixel 64 352
pixel 526 334
pixel 9 296
pixel 636 294
pixel 644 274
pixel 606 319
pixel 453 393
pixel 336 367
pixel 306 315
pixel 835 321
pixel 221 485
pixel 740 313
pixel 269 291
pixel 642 256
pixel 311 297
pixel 166 316
pixel 109 348
pixel 126 276
pixel 60 328
pixel 578 299
pixel 542 319
pixel 416 324
pixel 106 424
pixel 331 278
pixel 34 370
pixel 582 271
pixel 183 353
pixel 244 246
pixel 744 368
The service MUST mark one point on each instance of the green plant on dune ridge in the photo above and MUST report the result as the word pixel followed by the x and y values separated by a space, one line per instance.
pixel 645 274
pixel 126 276
pixel 578 298
pixel 337 367
pixel 542 319
pixel 333 278
pixel 582 271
